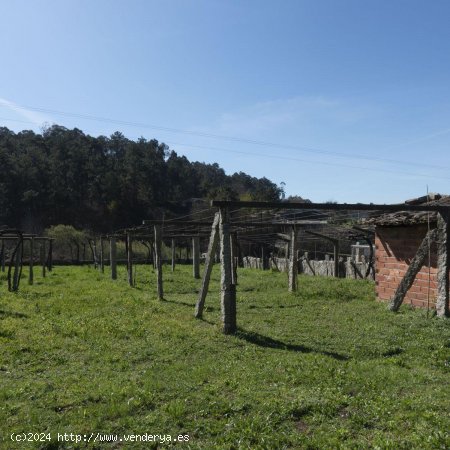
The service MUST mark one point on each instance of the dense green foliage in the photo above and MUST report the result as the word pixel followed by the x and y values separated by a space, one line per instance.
pixel 325 368
pixel 67 177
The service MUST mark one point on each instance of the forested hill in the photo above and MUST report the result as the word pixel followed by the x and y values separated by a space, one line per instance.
pixel 104 183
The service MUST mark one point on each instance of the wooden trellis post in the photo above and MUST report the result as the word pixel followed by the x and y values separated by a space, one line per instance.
pixel 228 289
pixel 42 257
pixel 94 253
pixel 2 256
pixel 173 255
pixel 443 263
pixel 293 264
pixel 102 263
pixel 112 257
pixel 158 262
pixel 50 255
pixel 210 256
pixel 130 258
pixel 233 248
pixel 30 267
pixel 18 264
pixel 196 257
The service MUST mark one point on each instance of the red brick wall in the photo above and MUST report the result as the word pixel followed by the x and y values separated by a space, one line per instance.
pixel 394 249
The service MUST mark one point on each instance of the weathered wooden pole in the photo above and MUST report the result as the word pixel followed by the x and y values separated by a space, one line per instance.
pixel 443 264
pixel 94 253
pixel 293 265
pixel 130 258
pixel 42 257
pixel 336 257
pixel 3 256
pixel 30 267
pixel 263 258
pixel 173 255
pixel 102 262
pixel 196 257
pixel 158 262
pixel 228 289
pixel 413 269
pixel 233 249
pixel 18 264
pixel 50 255
pixel 112 257
pixel 210 256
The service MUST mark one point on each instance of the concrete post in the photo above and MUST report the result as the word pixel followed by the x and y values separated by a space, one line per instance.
pixel 228 289
pixel 443 260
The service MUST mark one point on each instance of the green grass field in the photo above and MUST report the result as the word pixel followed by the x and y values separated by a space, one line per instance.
pixel 328 367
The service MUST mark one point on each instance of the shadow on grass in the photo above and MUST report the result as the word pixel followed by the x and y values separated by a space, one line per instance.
pixel 265 341
pixel 17 315
pixel 190 305
pixel 298 305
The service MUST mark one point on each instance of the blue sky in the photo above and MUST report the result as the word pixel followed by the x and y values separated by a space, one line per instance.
pixel 341 100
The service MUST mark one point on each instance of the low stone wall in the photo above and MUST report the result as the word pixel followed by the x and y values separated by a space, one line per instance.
pixel 347 269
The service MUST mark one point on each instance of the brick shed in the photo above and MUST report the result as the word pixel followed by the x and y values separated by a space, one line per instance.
pixel 397 238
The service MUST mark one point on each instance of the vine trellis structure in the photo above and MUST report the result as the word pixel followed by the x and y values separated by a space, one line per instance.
pixel 227 231
pixel 17 255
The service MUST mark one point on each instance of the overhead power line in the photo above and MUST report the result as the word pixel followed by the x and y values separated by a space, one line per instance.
pixel 225 137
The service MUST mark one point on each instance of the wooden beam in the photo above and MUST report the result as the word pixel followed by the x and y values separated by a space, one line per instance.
pixel 328 206
pixel 263 224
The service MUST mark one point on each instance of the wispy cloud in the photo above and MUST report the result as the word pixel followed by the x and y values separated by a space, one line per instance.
pixel 295 112
pixel 32 116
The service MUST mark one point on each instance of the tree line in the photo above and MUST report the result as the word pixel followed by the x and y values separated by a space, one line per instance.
pixel 63 176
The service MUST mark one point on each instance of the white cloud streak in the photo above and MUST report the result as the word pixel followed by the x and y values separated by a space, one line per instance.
pixel 32 116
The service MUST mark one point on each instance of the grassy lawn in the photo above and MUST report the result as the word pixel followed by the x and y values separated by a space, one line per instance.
pixel 327 367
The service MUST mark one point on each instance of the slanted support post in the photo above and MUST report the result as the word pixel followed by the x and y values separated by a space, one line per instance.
pixel 173 255
pixel 130 259
pixel 102 261
pixel 196 257
pixel 210 256
pixel 228 289
pixel 30 267
pixel 413 269
pixel 293 264
pixel 158 262
pixel 113 258
pixel 443 264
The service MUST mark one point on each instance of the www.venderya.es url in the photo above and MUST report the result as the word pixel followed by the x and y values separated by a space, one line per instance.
pixel 100 437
